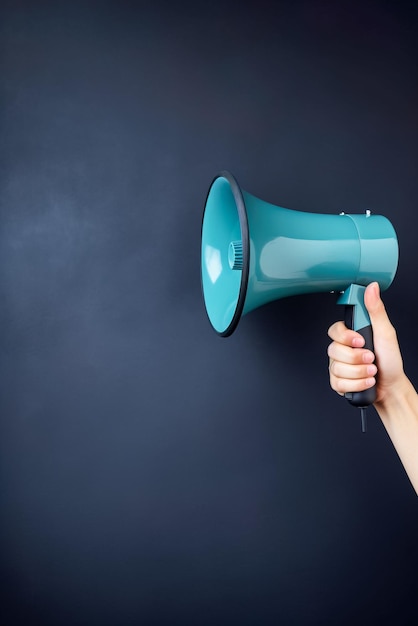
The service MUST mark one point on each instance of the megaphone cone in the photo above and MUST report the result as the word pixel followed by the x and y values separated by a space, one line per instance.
pixel 254 252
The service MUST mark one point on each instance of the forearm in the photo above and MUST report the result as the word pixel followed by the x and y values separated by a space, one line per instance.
pixel 399 414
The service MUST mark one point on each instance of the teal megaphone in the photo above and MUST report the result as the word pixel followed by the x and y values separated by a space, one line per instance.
pixel 254 252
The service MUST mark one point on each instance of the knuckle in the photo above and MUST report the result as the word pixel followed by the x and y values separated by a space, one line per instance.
pixel 336 330
pixel 335 368
pixel 339 386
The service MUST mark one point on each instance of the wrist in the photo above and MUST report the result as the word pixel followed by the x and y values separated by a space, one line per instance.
pixel 399 396
pixel 398 411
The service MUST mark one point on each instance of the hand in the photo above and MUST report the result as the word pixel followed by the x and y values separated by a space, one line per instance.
pixel 353 368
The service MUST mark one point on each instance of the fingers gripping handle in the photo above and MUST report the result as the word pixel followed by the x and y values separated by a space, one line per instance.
pixel 357 318
pixel 368 396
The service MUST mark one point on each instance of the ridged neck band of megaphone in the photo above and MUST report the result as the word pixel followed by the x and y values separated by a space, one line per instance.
pixel 254 252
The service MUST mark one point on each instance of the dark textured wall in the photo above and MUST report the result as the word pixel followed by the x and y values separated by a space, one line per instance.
pixel 151 472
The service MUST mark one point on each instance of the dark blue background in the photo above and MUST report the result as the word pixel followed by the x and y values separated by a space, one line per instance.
pixel 151 472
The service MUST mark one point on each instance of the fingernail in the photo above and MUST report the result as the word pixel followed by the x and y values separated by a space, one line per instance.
pixel 376 289
pixel 371 370
pixel 358 342
pixel 368 357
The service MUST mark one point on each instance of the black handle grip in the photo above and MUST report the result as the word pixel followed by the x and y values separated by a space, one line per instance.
pixel 368 396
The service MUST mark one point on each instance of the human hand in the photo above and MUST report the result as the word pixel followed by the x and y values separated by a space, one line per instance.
pixel 352 367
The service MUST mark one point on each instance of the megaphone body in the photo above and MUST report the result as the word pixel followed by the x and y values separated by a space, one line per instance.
pixel 254 252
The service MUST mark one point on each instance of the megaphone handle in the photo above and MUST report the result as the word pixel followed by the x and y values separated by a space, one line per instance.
pixel 356 315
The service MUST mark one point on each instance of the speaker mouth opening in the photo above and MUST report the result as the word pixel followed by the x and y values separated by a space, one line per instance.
pixel 225 303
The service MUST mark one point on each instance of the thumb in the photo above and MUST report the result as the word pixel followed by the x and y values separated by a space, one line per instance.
pixel 386 347
pixel 378 316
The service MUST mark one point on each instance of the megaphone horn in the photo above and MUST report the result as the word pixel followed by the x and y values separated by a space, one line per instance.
pixel 254 252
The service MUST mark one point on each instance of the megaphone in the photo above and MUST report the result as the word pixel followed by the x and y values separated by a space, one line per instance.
pixel 254 252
